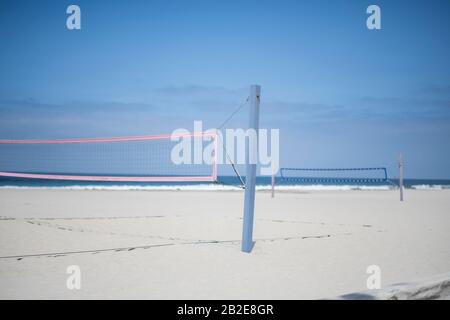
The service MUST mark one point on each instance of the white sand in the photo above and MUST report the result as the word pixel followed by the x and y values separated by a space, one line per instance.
pixel 308 245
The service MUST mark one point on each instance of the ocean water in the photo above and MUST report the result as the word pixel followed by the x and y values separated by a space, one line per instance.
pixel 224 183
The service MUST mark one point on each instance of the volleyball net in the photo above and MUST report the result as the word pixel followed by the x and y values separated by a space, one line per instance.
pixel 334 175
pixel 162 158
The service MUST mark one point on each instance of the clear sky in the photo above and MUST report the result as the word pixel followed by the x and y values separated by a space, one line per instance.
pixel 341 95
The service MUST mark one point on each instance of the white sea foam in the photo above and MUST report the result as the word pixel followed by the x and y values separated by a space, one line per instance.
pixel 324 187
pixel 430 187
pixel 202 187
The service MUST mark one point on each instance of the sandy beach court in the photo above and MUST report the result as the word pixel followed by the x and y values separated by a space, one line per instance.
pixel 186 244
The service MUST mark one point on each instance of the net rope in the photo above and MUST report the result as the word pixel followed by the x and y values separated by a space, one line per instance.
pixel 236 172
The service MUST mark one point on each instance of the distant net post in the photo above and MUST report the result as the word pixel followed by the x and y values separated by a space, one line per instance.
pixel 250 175
pixel 400 175
pixel 273 184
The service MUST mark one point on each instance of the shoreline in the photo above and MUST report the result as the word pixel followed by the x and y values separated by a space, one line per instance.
pixel 225 188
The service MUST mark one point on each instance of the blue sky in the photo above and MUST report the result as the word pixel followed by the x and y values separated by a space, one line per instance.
pixel 341 95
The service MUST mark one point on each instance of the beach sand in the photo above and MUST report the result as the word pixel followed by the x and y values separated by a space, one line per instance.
pixel 186 244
